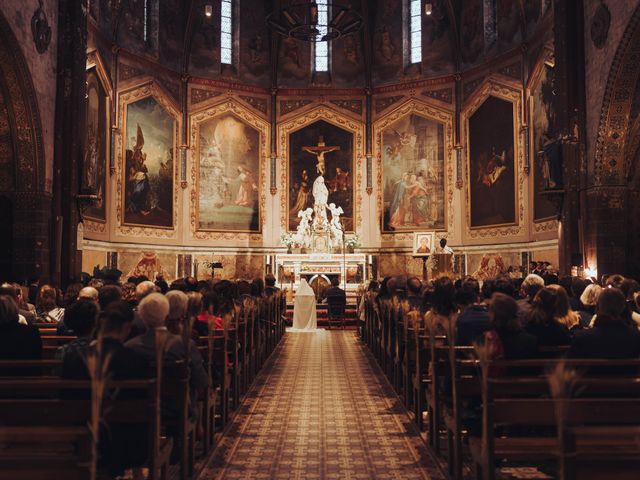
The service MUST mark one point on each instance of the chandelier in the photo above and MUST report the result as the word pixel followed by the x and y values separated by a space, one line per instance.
pixel 315 21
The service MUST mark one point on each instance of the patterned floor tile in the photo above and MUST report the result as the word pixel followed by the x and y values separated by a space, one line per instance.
pixel 321 410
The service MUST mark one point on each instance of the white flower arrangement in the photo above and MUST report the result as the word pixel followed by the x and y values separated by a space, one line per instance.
pixel 288 240
pixel 352 241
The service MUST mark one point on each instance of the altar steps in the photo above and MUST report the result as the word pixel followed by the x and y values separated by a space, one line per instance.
pixel 350 316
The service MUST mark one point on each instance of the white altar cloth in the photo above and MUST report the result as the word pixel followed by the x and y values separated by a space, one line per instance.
pixel 304 309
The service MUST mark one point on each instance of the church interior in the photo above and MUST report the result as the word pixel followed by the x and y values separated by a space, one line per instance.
pixel 279 239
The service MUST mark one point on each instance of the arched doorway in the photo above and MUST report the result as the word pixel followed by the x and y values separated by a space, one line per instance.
pixel 21 168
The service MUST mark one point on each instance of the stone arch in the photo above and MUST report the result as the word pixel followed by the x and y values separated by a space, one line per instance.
pixel 614 128
pixel 612 241
pixel 22 162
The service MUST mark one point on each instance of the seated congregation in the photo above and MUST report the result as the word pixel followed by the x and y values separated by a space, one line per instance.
pixel 137 378
pixel 534 373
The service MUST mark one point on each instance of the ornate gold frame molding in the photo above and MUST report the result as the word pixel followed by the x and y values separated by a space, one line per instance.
pixel 125 98
pixel 546 57
pixel 513 94
pixel 432 112
pixel 246 115
pixel 321 112
pixel 94 60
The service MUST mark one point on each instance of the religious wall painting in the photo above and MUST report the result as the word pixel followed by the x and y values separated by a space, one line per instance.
pixel 472 31
pixel 507 23
pixel 96 146
pixel 423 243
pixel 254 45
pixel 148 181
pixel 545 143
pixel 413 151
pixel 491 164
pixel 228 175
pixel 294 62
pixel 321 149
pixel 437 56
pixel 387 41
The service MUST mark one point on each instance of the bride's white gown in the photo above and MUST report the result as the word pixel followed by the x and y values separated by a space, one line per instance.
pixel 304 309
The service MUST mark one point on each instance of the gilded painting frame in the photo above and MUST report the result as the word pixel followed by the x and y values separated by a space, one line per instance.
pixel 244 114
pixel 94 61
pixel 512 94
pixel 321 112
pixel 126 98
pixel 431 112
pixel 545 59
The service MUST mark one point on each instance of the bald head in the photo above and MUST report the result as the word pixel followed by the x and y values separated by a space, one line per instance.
pixel 88 293
pixel 145 288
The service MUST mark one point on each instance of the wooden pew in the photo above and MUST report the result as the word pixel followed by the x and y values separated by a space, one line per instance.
pixel 44 427
pixel 526 402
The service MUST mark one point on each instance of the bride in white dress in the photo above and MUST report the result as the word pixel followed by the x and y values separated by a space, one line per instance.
pixel 304 309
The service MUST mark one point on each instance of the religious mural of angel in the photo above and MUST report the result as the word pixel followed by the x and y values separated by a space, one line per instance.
pixel 413 173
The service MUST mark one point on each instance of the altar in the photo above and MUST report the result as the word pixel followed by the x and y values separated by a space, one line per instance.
pixel 319 269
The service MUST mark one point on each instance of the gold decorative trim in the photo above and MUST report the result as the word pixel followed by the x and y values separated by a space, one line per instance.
pixel 438 114
pixel 321 112
pixel 245 114
pixel 546 226
pixel 545 58
pixel 509 93
pixel 125 98
pixel 94 60
pixel 93 226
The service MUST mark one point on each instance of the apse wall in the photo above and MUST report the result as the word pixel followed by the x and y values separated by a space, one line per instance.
pixel 222 145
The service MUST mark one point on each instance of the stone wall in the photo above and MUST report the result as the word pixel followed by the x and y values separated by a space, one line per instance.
pixel 42 66
pixel 598 61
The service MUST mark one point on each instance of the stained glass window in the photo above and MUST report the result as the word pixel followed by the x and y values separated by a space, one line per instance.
pixel 145 21
pixel 490 33
pixel 226 30
pixel 415 30
pixel 322 48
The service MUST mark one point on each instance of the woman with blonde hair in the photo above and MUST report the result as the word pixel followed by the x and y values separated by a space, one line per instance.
pixel 589 299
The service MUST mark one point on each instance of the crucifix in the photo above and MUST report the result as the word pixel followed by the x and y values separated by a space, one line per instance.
pixel 319 151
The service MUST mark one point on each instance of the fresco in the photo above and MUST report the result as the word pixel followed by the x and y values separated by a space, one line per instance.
pixel 413 175
pixel 387 41
pixel 229 166
pixel 437 53
pixel 321 142
pixel 148 186
pixel 544 147
pixel 95 158
pixel 491 164
pixel 508 23
pixel 472 31
pixel 254 43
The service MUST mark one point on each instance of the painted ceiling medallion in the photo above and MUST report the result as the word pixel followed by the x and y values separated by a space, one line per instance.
pixel 40 29
pixel 600 26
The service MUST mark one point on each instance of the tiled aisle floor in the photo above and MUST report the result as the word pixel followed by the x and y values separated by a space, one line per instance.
pixel 321 410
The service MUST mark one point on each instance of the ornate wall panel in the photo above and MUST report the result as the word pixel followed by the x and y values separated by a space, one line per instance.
pixel 326 114
pixel 505 93
pixel 149 210
pixel 98 143
pixel 437 170
pixel 228 140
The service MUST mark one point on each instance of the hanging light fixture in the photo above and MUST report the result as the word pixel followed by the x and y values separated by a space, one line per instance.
pixel 300 20
pixel 208 10
pixel 428 8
